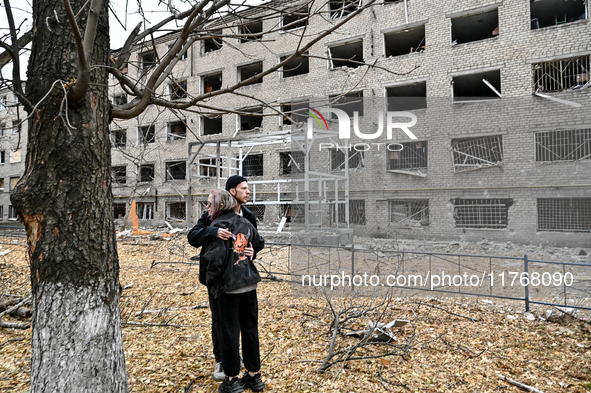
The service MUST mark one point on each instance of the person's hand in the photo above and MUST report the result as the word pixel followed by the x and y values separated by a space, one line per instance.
pixel 249 251
pixel 224 234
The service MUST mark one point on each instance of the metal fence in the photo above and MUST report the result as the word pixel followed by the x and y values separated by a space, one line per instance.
pixel 13 234
pixel 412 273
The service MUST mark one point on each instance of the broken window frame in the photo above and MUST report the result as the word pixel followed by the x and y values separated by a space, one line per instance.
pixel 482 83
pixel 400 38
pixel 146 134
pixel 250 73
pixel 176 170
pixel 337 159
pixel 477 153
pixel 292 163
pixel 564 214
pixel 148 65
pixel 413 157
pixel 336 62
pixel 406 101
pixel 119 138
pixel 176 130
pixel 144 173
pixel 299 18
pixel 176 211
pixel 178 90
pixel 145 210
pixel 119 174
pixel 563 145
pixel 250 31
pixel 205 119
pixel 478 213
pixel 297 66
pixel 357 214
pixel 562 74
pixel 256 119
pixel 409 212
pixel 339 8
pixel 209 79
pixel 547 21
pixel 119 210
pixel 207 167
pixel 252 165
pixel 212 41
pixel 488 16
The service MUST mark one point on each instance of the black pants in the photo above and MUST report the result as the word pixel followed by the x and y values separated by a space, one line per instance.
pixel 238 314
pixel 217 353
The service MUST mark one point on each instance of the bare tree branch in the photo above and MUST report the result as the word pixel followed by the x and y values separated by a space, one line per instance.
pixel 15 49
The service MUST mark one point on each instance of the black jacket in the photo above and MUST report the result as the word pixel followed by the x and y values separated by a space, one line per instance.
pixel 228 268
pixel 202 234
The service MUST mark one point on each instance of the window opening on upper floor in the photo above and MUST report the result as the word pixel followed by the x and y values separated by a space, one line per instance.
pixel 248 71
pixel 349 54
pixel 212 82
pixel 340 8
pixel 213 42
pixel 475 27
pixel 299 65
pixel 562 74
pixel 251 31
pixel 546 13
pixel 402 42
pixel 475 87
pixel 295 19
pixel 407 97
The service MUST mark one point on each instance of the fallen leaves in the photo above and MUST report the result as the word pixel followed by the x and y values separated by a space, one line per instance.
pixel 449 352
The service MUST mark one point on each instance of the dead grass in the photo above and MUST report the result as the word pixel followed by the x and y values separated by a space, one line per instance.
pixel 448 353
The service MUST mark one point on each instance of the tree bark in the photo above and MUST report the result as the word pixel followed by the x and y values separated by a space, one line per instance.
pixel 65 200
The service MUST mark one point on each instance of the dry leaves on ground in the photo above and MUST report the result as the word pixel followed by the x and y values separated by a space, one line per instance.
pixel 446 352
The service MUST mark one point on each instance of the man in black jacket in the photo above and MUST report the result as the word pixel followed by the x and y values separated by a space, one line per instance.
pixel 202 235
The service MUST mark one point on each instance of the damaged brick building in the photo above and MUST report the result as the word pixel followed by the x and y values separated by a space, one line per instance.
pixel 500 91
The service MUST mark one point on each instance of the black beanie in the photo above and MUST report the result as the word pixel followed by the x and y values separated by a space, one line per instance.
pixel 233 181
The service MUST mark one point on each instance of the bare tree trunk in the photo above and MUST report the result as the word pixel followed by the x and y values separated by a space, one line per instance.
pixel 65 201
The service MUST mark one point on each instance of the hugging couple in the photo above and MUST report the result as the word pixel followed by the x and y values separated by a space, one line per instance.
pixel 229 241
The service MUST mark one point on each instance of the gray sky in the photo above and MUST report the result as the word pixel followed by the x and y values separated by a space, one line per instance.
pixel 127 18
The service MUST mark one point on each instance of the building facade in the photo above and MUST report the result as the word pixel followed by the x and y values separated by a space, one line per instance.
pixel 500 92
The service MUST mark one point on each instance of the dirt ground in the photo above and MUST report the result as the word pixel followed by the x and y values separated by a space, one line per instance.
pixel 450 344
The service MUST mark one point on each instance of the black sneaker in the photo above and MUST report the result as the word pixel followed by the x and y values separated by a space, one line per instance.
pixel 231 385
pixel 255 383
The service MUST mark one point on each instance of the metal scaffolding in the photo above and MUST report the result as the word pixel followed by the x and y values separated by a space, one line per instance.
pixel 315 187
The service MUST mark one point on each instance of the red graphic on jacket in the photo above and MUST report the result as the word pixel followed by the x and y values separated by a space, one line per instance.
pixel 240 244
